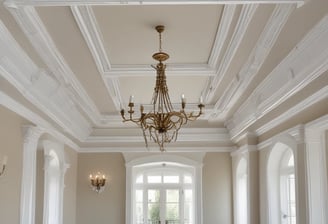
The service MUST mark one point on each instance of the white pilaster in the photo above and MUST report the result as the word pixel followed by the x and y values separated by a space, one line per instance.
pixel 316 154
pixel 31 138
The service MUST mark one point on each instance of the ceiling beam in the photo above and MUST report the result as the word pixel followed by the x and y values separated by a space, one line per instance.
pixel 257 57
pixel 305 63
pixel 246 15
pixel 34 29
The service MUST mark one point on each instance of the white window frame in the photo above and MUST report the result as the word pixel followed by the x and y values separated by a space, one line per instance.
pixel 54 173
pixel 285 172
pixel 276 171
pixel 147 170
pixel 195 166
pixel 242 192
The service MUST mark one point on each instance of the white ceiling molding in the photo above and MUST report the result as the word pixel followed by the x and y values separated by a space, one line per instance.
pixel 31 24
pixel 88 25
pixel 155 149
pixel 246 15
pixel 29 115
pixel 115 121
pixel 306 62
pixel 244 149
pixel 40 87
pixel 296 132
pixel 141 2
pixel 171 69
pixel 255 60
pixel 214 135
pixel 308 102
pixel 221 35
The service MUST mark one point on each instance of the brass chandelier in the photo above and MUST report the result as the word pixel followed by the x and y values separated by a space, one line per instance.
pixel 162 123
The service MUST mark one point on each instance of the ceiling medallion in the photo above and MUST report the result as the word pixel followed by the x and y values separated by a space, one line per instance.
pixel 162 123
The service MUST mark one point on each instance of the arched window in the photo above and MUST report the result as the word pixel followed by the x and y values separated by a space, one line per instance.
pixel 164 191
pixel 281 185
pixel 54 172
pixel 241 191
pixel 287 188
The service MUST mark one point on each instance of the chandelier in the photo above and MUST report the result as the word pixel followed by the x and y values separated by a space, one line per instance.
pixel 162 123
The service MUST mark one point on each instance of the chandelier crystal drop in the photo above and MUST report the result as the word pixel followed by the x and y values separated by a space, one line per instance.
pixel 162 123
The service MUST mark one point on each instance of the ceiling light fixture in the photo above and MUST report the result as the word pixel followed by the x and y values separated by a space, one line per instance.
pixel 162 123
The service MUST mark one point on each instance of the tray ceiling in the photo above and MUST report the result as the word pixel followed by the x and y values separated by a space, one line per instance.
pixel 92 55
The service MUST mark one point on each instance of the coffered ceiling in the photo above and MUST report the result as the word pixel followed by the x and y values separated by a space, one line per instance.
pixel 76 63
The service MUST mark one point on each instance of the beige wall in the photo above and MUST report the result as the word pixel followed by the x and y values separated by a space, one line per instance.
pixel 11 143
pixel 109 206
pixel 217 188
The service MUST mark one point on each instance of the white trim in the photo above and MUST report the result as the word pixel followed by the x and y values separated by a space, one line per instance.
pixel 30 22
pixel 88 25
pixel 58 149
pixel 293 74
pixel 221 35
pixel 171 69
pixel 215 135
pixel 40 87
pixel 85 18
pixel 15 3
pixel 29 115
pixel 244 149
pixel 297 132
pixel 255 60
pixel 156 149
pixel 166 158
pixel 246 15
pixel 316 158
pixel 27 203
pixel 308 102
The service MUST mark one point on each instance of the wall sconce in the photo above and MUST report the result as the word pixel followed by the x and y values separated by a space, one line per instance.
pixel 3 165
pixel 98 182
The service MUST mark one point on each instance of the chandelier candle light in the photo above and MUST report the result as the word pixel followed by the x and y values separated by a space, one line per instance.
pixel 162 123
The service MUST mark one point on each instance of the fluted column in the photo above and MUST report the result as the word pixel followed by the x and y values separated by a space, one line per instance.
pixel 27 209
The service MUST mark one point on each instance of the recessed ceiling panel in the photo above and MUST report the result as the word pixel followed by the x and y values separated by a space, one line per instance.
pixel 130 37
pixel 68 39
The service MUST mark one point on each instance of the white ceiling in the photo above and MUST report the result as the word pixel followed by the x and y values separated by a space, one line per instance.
pixel 83 59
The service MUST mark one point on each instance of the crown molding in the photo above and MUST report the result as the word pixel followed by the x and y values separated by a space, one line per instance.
pixel 88 25
pixel 90 30
pixel 115 121
pixel 15 3
pixel 214 135
pixel 295 72
pixel 29 115
pixel 221 35
pixel 255 61
pixel 246 15
pixel 244 149
pixel 40 87
pixel 155 149
pixel 296 132
pixel 32 26
pixel 172 69
pixel 308 102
